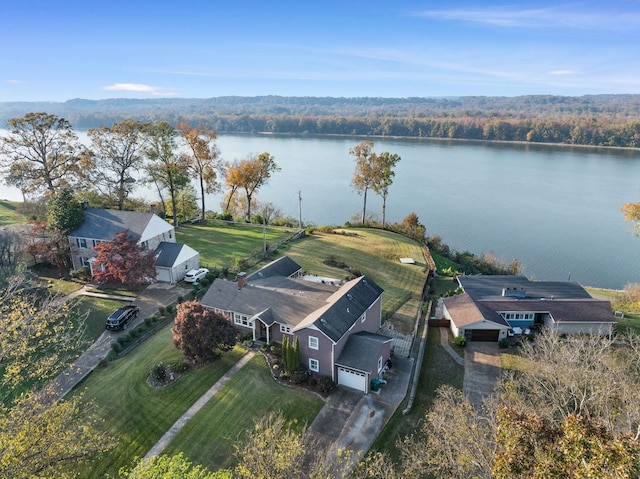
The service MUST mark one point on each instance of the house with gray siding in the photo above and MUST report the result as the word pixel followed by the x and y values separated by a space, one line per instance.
pixel 154 233
pixel 491 307
pixel 336 325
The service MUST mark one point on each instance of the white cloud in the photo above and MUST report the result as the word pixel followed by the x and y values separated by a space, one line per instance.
pixel 13 82
pixel 562 72
pixel 558 16
pixel 140 88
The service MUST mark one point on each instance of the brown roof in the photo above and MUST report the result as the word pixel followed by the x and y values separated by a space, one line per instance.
pixel 464 311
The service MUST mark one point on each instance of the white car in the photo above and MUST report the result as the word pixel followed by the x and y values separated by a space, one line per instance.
pixel 194 275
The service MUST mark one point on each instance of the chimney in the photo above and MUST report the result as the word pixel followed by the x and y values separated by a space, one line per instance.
pixel 241 278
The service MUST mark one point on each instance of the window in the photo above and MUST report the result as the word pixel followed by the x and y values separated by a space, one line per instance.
pixel 81 242
pixel 380 364
pixel 313 342
pixel 363 317
pixel 284 328
pixel 242 320
pixel 314 365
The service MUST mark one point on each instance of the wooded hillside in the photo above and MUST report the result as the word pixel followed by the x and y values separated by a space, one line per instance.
pixel 597 120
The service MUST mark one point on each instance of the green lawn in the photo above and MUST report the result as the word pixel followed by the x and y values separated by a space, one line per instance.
pixel 221 245
pixel 374 252
pixel 97 310
pixel 208 438
pixel 9 214
pixel 136 414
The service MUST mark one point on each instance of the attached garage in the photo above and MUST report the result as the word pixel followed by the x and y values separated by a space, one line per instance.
pixel 353 379
pixel 483 334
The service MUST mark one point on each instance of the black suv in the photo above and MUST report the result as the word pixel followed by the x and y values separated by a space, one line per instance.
pixel 120 317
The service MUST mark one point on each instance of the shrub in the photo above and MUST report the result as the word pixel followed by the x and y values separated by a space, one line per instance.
pixel 326 385
pixel 204 282
pixel 162 310
pixel 117 347
pixel 460 340
pixel 159 372
pixel 83 274
pixel 503 343
pixel 300 376
pixel 179 365
pixel 148 320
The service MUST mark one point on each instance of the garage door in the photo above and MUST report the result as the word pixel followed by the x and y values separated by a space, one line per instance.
pixel 164 274
pixel 352 379
pixel 485 335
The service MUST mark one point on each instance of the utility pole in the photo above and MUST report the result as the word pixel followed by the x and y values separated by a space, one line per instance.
pixel 300 209
pixel 264 237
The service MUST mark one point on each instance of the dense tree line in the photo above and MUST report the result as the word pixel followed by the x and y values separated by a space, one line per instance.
pixel 596 120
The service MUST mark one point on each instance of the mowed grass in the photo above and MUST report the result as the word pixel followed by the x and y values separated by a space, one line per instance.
pixel 374 252
pixel 221 245
pixel 9 214
pixel 209 437
pixel 97 310
pixel 135 414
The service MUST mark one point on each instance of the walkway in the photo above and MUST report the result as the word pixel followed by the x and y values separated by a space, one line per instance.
pixel 444 340
pixel 199 404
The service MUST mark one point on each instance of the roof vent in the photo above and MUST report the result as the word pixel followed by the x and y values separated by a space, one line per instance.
pixel 349 296
pixel 348 311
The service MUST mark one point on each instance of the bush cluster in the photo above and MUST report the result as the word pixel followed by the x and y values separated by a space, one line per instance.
pixel 460 340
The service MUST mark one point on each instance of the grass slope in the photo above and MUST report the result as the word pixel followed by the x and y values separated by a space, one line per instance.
pixel 374 252
pixel 222 245
pixel 9 214
pixel 209 437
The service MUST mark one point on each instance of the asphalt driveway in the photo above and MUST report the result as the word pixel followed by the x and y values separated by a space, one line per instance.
pixel 154 296
pixel 481 370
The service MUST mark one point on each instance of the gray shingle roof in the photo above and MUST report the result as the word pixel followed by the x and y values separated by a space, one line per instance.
pixel 297 302
pixel 566 301
pixel 359 350
pixel 287 306
pixel 104 225
pixel 283 266
pixel 487 286
pixel 168 253
pixel 346 307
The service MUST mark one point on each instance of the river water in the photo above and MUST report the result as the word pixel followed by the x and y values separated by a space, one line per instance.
pixel 556 209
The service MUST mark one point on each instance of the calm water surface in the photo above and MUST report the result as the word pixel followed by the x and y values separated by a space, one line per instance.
pixel 555 209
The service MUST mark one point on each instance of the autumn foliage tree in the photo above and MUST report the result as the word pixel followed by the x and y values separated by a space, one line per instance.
pixel 201 333
pixel 124 261
pixel 40 154
pixel 39 436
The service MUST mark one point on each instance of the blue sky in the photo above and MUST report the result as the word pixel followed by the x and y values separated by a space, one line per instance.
pixel 57 50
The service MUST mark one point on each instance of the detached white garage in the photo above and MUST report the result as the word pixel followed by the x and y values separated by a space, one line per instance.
pixel 353 379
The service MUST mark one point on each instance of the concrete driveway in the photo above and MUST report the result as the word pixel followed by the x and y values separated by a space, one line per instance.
pixel 351 420
pixel 481 370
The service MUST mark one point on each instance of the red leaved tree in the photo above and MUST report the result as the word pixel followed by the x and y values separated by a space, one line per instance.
pixel 201 333
pixel 124 261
